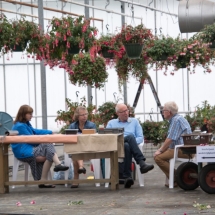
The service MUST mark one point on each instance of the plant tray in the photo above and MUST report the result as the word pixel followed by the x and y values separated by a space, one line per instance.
pixel 196 138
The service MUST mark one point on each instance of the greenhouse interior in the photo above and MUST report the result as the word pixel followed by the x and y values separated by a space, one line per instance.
pixel 46 89
pixel 58 55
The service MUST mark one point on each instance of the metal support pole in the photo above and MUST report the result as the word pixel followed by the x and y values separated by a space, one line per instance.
pixel 89 88
pixel 124 83
pixel 42 70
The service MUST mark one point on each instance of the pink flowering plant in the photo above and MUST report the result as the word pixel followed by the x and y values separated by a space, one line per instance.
pixel 192 52
pixel 88 71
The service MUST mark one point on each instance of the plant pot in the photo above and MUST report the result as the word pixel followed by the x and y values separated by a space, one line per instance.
pixel 18 48
pixel 162 57
pixel 133 50
pixel 74 49
pixel 107 54
pixel 181 62
pixel 212 46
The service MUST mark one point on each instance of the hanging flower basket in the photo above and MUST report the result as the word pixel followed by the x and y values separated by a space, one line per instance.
pixel 133 50
pixel 106 53
pixel 18 47
pixel 163 57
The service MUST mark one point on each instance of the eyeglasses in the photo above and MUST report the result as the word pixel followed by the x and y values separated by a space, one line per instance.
pixel 85 114
pixel 123 111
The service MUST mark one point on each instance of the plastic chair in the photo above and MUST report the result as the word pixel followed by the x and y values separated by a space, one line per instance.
pixel 97 168
pixel 172 161
pixel 16 164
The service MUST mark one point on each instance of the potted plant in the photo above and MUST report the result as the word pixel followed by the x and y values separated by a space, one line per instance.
pixel 202 116
pixel 106 46
pixel 5 33
pixel 133 39
pixel 88 71
pixel 192 52
pixel 162 48
pixel 155 132
pixel 23 32
pixel 207 35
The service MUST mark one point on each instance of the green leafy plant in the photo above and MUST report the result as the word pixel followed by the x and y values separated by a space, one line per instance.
pixel 66 117
pixel 207 34
pixel 107 111
pixel 163 49
pixel 5 33
pixel 203 115
pixel 88 71
pixel 155 132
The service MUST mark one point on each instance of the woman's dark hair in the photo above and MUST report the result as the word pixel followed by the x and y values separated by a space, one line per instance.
pixel 23 110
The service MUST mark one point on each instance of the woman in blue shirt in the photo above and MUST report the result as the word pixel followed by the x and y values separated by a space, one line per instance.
pixel 81 122
pixel 39 156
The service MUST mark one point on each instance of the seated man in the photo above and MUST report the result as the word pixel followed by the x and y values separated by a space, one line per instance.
pixel 133 135
pixel 178 125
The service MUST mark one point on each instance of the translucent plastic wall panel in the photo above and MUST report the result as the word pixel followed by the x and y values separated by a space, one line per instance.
pixel 2 91
pixel 202 87
pixel 55 90
pixel 75 92
pixel 17 91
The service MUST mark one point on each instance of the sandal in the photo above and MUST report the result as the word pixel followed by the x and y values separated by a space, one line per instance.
pixel 46 186
pixel 82 170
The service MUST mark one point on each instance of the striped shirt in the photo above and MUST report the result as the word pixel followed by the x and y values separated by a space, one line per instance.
pixel 178 126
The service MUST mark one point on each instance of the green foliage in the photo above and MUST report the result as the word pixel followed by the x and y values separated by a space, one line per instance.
pixel 155 132
pixel 207 34
pixel 107 112
pixel 5 33
pixel 66 117
pixel 87 71
pixel 163 46
pixel 203 115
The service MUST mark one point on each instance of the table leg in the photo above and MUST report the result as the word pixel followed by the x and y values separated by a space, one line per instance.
pixel 4 174
pixel 116 169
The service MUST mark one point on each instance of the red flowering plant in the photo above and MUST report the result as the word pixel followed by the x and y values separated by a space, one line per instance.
pixel 88 71
pixel 66 37
pixel 130 34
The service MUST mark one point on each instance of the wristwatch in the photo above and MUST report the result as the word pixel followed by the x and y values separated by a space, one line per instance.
pixel 160 150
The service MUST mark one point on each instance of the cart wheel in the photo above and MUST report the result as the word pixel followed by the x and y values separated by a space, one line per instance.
pixel 183 178
pixel 207 178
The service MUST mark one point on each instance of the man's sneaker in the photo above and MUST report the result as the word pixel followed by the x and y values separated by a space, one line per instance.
pixel 128 182
pixel 60 167
pixel 144 168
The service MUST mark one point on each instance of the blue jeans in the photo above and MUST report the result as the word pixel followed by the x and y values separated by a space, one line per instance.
pixel 131 150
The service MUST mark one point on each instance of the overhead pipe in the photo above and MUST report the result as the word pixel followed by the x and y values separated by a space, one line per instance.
pixel 147 7
pixel 97 8
pixel 193 15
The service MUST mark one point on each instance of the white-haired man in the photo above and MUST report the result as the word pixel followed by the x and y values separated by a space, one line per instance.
pixel 178 125
pixel 133 135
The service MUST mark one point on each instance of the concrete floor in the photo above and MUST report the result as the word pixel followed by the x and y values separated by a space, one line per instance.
pixel 153 198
